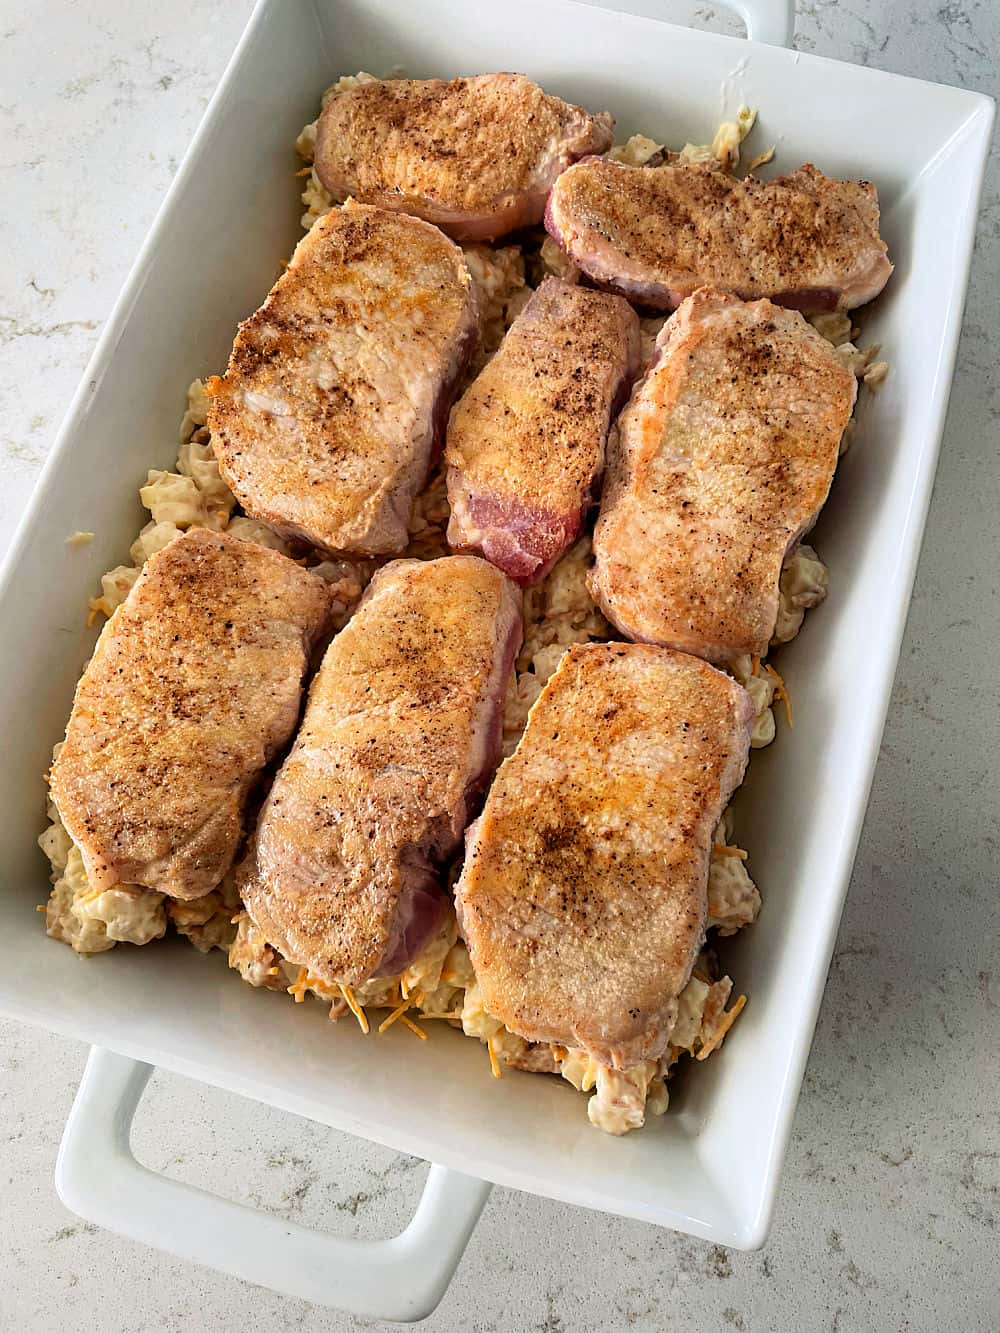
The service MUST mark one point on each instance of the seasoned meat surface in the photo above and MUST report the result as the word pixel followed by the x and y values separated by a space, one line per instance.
pixel 657 234
pixel 400 734
pixel 194 686
pixel 525 445
pixel 338 387
pixel 583 895
pixel 718 466
pixel 476 156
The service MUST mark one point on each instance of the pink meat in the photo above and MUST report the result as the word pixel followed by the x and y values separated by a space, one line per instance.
pixel 525 445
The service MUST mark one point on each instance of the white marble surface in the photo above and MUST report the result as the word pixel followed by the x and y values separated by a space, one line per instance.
pixel 889 1215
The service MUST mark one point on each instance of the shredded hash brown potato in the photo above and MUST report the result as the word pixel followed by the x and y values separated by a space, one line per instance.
pixel 440 984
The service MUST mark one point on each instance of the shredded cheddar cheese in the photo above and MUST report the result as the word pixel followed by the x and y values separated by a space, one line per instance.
pixel 355 1008
pixel 726 1022
pixel 726 849
pixel 781 691
pixel 298 986
pixel 494 1062
pixel 396 1013
pixel 417 1031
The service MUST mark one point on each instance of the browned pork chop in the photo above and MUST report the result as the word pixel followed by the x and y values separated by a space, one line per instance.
pixel 656 234
pixel 475 156
pixel 583 895
pixel 339 386
pixel 717 467
pixel 194 686
pixel 525 445
pixel 400 734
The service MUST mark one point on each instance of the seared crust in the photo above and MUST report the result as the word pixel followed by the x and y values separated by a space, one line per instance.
pixel 525 445
pixel 400 732
pixel 583 895
pixel 338 386
pixel 476 156
pixel 656 234
pixel 717 467
pixel 193 687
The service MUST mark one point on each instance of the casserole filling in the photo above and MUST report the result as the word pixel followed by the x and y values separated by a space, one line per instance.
pixel 558 612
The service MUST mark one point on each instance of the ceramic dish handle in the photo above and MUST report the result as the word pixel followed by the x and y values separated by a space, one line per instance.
pixel 98 1177
pixel 770 21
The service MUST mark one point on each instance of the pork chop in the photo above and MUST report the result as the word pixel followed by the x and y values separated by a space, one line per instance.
pixel 475 156
pixel 400 734
pixel 717 468
pixel 583 895
pixel 195 684
pixel 656 234
pixel 525 445
pixel 338 387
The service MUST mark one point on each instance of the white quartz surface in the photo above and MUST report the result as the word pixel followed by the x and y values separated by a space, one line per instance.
pixel 889 1216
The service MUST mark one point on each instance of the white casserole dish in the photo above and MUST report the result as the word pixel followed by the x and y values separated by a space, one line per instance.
pixel 710 1167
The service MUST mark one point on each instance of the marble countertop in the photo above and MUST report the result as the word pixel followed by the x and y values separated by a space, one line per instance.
pixel 889 1213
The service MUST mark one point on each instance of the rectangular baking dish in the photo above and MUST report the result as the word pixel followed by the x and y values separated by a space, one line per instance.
pixel 710 1167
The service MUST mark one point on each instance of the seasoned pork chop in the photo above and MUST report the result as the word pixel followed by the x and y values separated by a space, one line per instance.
pixel 194 686
pixel 656 234
pixel 583 895
pixel 475 156
pixel 525 445
pixel 339 386
pixel 400 734
pixel 717 467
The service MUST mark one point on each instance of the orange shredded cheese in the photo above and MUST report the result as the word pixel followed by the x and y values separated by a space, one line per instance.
pixel 456 1015
pixel 273 971
pixel 754 665
pixel 781 691
pixel 417 1031
pixel 494 1062
pixel 305 171
pixel 41 908
pixel 559 1053
pixel 298 987
pixel 352 1003
pixel 726 849
pixel 396 1013
pixel 716 1039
